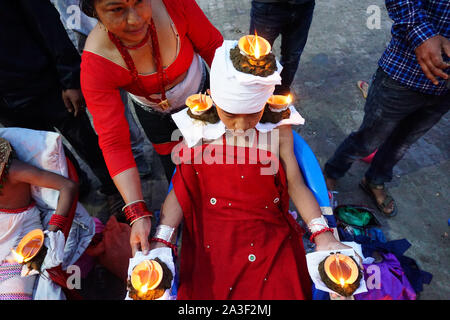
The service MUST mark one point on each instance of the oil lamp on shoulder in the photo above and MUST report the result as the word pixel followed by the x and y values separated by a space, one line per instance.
pixel 279 103
pixel 201 107
pixel 199 103
pixel 277 109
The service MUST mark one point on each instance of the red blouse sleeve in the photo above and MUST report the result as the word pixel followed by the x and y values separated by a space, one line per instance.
pixel 103 101
pixel 204 36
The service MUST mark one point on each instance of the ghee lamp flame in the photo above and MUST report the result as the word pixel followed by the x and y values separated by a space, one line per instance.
pixel 342 281
pixel 289 99
pixel 18 257
pixel 257 47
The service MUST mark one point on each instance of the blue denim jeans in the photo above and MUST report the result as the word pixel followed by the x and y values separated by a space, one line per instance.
pixel 395 117
pixel 292 21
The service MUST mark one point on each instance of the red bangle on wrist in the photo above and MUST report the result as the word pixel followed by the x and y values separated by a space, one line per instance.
pixel 136 211
pixel 167 243
pixel 58 221
pixel 315 234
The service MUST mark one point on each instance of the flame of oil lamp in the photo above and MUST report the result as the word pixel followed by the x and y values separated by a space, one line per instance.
pixel 254 46
pixel 29 246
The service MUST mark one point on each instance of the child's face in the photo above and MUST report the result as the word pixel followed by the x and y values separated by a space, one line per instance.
pixel 239 122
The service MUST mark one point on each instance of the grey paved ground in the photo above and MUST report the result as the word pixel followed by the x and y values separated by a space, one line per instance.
pixel 340 51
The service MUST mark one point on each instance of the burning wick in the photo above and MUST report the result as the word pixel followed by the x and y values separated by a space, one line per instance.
pixel 18 257
pixel 257 48
pixel 341 280
pixel 289 99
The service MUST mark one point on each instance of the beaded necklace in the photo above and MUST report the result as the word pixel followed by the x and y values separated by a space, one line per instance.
pixel 163 103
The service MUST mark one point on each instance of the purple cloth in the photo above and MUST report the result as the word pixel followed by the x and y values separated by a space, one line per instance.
pixel 386 281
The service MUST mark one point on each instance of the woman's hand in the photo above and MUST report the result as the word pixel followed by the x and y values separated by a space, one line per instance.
pixel 327 241
pixel 140 230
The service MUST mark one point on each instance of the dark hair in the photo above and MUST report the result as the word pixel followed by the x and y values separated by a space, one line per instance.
pixel 87 6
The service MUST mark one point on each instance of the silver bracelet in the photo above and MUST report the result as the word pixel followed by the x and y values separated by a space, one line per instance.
pixel 164 232
pixel 317 224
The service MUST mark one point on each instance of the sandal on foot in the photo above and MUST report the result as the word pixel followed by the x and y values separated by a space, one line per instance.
pixel 367 187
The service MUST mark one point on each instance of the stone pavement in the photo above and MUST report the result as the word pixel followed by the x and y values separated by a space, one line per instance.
pixel 341 50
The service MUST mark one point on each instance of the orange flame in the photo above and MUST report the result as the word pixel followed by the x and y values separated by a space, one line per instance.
pixel 257 47
pixel 18 257
pixel 289 99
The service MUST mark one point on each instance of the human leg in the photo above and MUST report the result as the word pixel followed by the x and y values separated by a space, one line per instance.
pixel 267 19
pixel 408 131
pixel 386 105
pixel 293 41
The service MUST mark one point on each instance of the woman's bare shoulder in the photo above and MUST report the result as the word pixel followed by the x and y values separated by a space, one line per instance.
pixel 99 43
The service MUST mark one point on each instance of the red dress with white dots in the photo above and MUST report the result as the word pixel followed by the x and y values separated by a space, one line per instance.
pixel 239 240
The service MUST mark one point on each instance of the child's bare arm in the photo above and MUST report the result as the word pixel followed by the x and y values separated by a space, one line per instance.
pixel 25 173
pixel 171 214
pixel 301 195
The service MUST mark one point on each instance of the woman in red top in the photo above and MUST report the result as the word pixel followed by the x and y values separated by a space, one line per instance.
pixel 154 49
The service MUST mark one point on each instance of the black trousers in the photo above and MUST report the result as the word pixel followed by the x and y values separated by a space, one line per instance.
pixel 47 113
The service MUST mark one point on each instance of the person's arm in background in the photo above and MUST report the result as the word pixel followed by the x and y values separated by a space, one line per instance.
pixel 25 173
pixel 203 35
pixel 411 22
pixel 44 20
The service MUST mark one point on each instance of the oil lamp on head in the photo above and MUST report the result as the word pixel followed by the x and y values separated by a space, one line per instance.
pixel 254 47
pixel 340 273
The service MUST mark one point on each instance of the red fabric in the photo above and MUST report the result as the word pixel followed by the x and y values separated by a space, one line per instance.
pixel 101 80
pixel 231 212
pixel 114 251
pixel 164 148
pixel 19 210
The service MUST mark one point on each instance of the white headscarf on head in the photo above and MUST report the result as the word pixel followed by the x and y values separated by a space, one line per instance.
pixel 237 92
